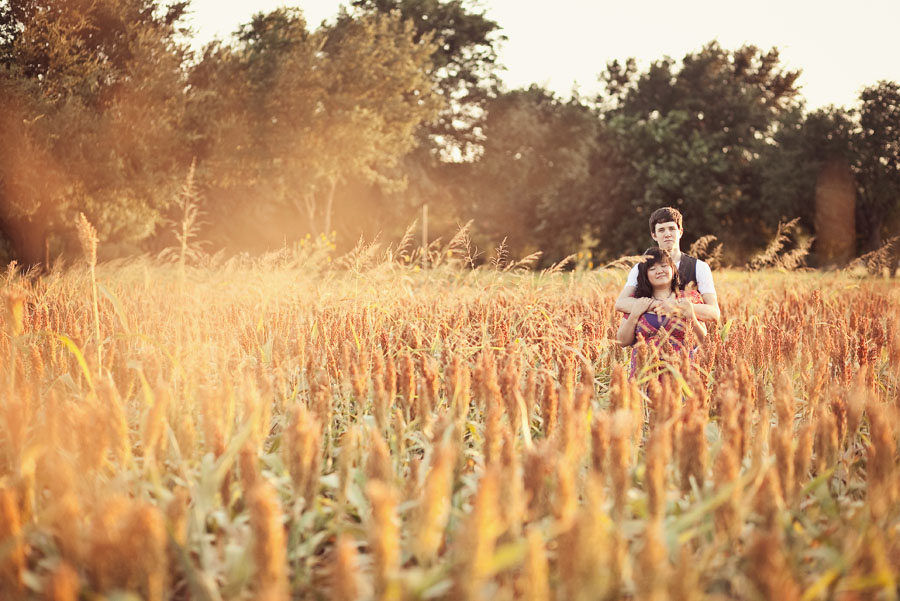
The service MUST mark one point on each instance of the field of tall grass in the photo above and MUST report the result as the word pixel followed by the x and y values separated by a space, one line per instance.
pixel 279 429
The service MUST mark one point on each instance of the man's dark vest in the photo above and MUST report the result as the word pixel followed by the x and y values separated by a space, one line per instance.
pixel 687 271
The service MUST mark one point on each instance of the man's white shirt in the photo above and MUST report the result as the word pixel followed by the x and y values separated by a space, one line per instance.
pixel 704 277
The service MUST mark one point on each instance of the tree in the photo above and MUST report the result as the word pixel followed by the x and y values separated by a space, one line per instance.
pixel 465 76
pixel 533 183
pixel 877 144
pixel 687 136
pixel 866 139
pixel 464 64
pixel 286 115
pixel 805 148
pixel 93 99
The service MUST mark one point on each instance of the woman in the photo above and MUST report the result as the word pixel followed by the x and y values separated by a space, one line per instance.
pixel 664 315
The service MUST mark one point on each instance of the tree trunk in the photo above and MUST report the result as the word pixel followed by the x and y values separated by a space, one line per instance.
pixel 875 241
pixel 27 239
pixel 309 205
pixel 329 206
pixel 869 221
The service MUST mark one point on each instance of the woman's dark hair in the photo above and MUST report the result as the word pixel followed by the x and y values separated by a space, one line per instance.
pixel 652 256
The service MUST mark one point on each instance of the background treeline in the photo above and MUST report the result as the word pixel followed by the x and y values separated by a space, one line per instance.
pixel 287 129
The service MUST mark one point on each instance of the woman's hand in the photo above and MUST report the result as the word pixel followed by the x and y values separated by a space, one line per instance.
pixel 685 308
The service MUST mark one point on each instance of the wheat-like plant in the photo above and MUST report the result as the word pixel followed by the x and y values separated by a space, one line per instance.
pixel 465 432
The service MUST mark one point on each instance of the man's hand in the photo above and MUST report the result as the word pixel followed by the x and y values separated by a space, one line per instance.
pixel 709 310
pixel 625 301
pixel 642 305
pixel 639 306
pixel 666 306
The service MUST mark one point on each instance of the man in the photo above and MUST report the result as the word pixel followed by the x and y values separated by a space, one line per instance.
pixel 666 231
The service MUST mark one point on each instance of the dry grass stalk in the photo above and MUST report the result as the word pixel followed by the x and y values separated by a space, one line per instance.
pixel 153 432
pixel 65 522
pixel 434 506
pixel 653 564
pixel 658 455
pixel 549 406
pixel 62 584
pixel 620 460
pixel 384 540
pixel 349 456
pixel 177 517
pixel 12 563
pixel 883 491
pixel 537 472
pixel 534 578
pixel 771 575
pixel 124 528
pixel 693 452
pixel 684 582
pixel 116 423
pixel 876 262
pixel 146 547
pixel 87 236
pixel 302 447
pixel 345 584
pixel 493 432
pixel 477 540
pixel 771 256
pixel 378 463
pixel 782 443
pixel 768 502
pixel 600 442
pixel 726 472
pixel 803 455
pixel 458 384
pixel 269 551
pixel 66 451
pixel 565 493
pixel 586 568
pixel 706 249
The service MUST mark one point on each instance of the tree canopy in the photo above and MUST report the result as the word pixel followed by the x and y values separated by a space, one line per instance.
pixel 93 108
pixel 286 115
pixel 691 133
pixel 355 124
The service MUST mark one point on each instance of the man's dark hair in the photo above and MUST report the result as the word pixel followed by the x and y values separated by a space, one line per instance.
pixel 665 215
pixel 652 256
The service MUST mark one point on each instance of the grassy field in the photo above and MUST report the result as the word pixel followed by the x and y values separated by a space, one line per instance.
pixel 277 429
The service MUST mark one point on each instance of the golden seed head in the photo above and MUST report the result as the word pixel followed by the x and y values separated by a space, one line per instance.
pixel 87 236
pixel 62 584
pixel 269 550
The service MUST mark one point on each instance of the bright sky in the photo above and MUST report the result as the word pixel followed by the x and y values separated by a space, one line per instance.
pixel 839 49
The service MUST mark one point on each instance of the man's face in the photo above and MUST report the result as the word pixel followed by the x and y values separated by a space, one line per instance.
pixel 667 235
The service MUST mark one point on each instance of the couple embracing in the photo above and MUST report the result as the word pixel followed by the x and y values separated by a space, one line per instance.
pixel 669 295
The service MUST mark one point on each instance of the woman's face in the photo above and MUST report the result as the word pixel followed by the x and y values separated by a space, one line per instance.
pixel 660 273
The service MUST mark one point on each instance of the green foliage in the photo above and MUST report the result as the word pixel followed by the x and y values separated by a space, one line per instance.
pixel 533 182
pixel 878 161
pixel 687 136
pixel 285 115
pixel 464 63
pixel 788 167
pixel 464 70
pixel 865 138
pixel 94 103
pixel 352 127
